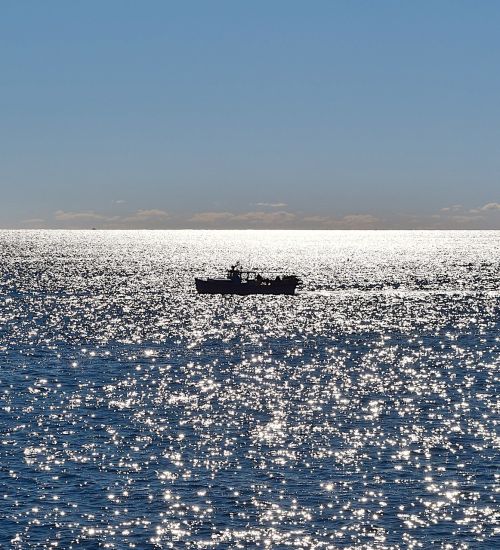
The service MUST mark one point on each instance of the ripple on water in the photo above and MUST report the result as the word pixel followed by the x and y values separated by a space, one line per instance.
pixel 361 413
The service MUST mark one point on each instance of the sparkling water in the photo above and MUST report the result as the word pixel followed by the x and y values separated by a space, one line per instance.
pixel 361 413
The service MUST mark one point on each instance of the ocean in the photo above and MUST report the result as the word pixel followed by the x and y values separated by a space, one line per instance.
pixel 361 413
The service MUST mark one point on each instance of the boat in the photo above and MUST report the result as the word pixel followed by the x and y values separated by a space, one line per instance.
pixel 243 283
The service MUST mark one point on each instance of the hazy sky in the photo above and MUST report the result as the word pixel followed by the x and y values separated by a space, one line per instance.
pixel 119 113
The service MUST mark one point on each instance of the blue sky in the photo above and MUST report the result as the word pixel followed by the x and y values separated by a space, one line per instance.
pixel 259 114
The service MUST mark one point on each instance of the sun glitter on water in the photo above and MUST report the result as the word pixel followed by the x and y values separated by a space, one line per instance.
pixel 360 413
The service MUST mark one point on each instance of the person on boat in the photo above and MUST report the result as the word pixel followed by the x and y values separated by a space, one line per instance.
pixel 235 274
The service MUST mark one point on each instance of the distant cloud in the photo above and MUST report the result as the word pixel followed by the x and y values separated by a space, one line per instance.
pixel 266 218
pixel 34 220
pixel 271 216
pixel 456 221
pixel 454 208
pixel 351 221
pixel 146 215
pixel 30 222
pixel 271 204
pixel 211 217
pixel 242 220
pixel 119 201
pixel 284 220
pixel 460 217
pixel 141 219
pixel 61 215
pixel 490 206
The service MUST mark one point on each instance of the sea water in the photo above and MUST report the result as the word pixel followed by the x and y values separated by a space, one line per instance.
pixel 361 413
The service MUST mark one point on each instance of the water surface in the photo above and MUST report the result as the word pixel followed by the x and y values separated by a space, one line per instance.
pixel 361 413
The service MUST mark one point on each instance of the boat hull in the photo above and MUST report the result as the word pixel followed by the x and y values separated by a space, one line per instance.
pixel 226 286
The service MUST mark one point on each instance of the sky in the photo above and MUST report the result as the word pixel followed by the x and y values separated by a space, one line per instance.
pixel 265 114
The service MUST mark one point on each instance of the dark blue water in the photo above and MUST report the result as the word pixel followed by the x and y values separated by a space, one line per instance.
pixel 361 413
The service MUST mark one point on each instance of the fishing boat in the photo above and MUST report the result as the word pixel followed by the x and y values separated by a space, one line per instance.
pixel 238 281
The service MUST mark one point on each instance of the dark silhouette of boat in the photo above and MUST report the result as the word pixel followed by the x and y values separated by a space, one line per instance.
pixel 242 282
